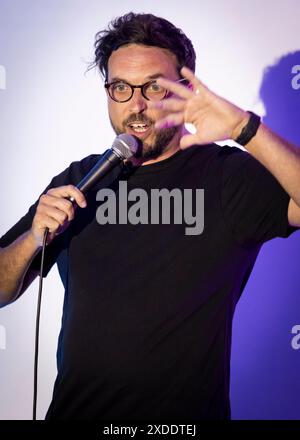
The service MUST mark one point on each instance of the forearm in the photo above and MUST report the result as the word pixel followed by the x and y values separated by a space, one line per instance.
pixel 279 156
pixel 54 212
pixel 216 119
pixel 15 260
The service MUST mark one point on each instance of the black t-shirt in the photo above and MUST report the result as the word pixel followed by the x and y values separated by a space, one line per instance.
pixel 147 317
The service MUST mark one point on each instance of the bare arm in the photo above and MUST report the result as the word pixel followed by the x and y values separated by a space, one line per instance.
pixel 282 159
pixel 278 155
pixel 14 263
pixel 53 212
pixel 217 119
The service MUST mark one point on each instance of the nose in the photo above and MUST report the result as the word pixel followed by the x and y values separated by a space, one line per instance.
pixel 138 103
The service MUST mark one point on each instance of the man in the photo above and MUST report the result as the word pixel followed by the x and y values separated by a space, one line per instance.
pixel 146 328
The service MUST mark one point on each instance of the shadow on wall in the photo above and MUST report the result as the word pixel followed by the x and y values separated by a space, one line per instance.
pixel 265 364
pixel 280 93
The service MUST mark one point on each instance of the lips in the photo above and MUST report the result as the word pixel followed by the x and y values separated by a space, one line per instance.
pixel 139 128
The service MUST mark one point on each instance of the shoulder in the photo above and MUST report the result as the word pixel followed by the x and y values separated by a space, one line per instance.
pixel 216 157
pixel 75 171
pixel 215 151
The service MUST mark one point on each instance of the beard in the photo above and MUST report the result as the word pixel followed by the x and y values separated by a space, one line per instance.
pixel 161 140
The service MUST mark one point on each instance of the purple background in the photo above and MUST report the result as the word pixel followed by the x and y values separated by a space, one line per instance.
pixel 265 379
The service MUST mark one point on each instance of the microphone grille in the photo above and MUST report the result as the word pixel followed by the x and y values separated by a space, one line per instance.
pixel 125 145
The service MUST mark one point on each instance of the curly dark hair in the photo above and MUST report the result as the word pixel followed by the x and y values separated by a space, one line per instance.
pixel 145 29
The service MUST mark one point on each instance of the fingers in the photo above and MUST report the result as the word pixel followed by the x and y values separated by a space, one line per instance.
pixel 55 211
pixel 170 104
pixel 188 140
pixel 170 121
pixel 69 191
pixel 186 102
pixel 42 221
pixel 61 215
pixel 175 87
pixel 57 204
pixel 181 90
pixel 198 86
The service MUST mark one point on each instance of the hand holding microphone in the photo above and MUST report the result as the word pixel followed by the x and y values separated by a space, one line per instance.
pixel 56 208
pixel 55 211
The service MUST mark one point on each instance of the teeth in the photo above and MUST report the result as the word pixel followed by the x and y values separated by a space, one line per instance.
pixel 139 127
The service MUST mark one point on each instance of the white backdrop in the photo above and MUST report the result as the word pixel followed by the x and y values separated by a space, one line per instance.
pixel 52 114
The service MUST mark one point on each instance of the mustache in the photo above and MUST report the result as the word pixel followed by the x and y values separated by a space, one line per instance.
pixel 138 118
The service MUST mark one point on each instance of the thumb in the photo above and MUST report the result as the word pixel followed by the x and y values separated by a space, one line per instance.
pixel 188 140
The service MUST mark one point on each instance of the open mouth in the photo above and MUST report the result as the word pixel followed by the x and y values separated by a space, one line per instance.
pixel 138 127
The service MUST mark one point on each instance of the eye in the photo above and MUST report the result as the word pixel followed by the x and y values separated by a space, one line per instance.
pixel 121 87
pixel 155 88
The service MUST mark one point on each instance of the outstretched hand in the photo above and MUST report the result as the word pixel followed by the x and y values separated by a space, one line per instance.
pixel 213 117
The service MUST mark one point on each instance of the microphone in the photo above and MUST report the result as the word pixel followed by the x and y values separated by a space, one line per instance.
pixel 124 147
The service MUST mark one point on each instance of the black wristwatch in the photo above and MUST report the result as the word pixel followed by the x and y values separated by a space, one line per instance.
pixel 250 129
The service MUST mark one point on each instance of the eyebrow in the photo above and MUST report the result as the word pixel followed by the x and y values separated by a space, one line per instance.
pixel 154 76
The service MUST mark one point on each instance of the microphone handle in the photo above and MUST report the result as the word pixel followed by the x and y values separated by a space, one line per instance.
pixel 108 161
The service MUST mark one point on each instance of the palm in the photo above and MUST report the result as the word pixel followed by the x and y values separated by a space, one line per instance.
pixel 213 117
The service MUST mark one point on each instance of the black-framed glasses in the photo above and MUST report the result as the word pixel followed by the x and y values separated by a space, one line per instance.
pixel 122 91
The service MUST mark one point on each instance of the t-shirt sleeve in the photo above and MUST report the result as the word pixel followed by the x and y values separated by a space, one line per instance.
pixel 71 175
pixel 254 204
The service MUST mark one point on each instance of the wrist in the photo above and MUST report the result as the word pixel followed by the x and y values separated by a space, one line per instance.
pixel 242 122
pixel 249 130
pixel 33 242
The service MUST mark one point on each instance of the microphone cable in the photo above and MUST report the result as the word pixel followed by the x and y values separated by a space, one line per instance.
pixel 124 147
pixel 37 326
